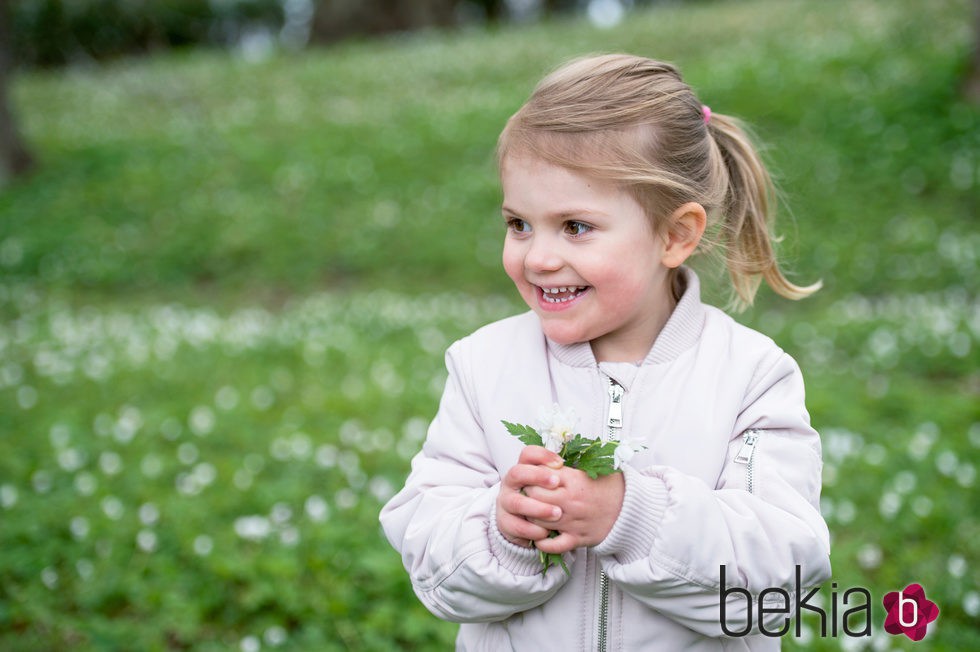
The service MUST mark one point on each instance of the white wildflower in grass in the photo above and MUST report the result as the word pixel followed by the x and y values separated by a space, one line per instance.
pixel 345 499
pixel 966 473
pixel 70 459
pixel 242 479
pixel 971 604
pixel 26 397
pixel 49 576
pixel 889 504
pixel 262 398
pixel 253 463
pixel 149 513
pixel 594 455
pixel 204 474
pixel 187 484
pixel 281 513
pixel 869 556
pixel 381 439
pixel 274 636
pixel 381 488
pixel 79 527
pixel 316 508
pixel 202 420
pixel 922 506
pixel 846 511
pixel 146 540
pixel 112 507
pixel 904 482
pixel 85 483
pixel 253 528
pixel 41 480
pixel 170 428
pixel 946 462
pixel 187 453
pixel 875 454
pixel 289 536
pixel 226 398
pixel 956 565
pixel 151 466
pixel 110 463
pixel 300 445
pixel 85 569
pixel 203 545
pixel 8 496
pixel 280 449
pixel 129 423
pixel 60 435
pixel 250 644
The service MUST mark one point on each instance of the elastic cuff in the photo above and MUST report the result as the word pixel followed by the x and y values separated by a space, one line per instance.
pixel 636 528
pixel 514 558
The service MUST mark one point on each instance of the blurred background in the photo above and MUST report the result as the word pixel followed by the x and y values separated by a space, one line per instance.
pixel 237 236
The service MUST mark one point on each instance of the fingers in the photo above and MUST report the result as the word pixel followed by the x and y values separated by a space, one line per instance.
pixel 518 530
pixel 559 544
pixel 526 475
pixel 540 455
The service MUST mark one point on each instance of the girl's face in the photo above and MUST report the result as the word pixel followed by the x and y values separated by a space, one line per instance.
pixel 585 258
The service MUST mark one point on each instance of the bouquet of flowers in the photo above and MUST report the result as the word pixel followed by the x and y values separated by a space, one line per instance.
pixel 596 456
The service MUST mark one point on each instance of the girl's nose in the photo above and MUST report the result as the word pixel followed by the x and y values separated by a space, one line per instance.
pixel 542 255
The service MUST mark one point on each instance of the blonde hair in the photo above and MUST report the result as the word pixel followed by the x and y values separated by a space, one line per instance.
pixel 634 121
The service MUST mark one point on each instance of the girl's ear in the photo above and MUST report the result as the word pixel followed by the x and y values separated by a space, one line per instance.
pixel 684 230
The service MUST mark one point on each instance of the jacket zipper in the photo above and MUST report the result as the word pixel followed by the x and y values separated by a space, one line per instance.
pixel 746 454
pixel 614 424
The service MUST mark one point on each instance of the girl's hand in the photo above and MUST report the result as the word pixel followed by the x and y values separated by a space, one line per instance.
pixel 537 469
pixel 589 509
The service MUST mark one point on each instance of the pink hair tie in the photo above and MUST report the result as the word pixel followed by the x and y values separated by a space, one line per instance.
pixel 706 110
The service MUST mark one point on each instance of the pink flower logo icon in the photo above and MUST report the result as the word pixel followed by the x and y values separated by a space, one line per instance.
pixel 909 612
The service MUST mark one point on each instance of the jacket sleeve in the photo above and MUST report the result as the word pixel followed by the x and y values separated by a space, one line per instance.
pixel 761 521
pixel 443 523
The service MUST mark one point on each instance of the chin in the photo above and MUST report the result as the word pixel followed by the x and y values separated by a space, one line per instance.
pixel 562 335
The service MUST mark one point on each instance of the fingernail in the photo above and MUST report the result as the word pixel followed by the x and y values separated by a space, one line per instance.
pixel 553 481
pixel 556 464
pixel 555 513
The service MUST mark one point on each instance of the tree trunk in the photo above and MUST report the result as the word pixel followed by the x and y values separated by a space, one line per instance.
pixel 971 86
pixel 15 160
pixel 337 19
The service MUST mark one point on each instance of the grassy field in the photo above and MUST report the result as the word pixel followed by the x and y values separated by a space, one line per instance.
pixel 225 295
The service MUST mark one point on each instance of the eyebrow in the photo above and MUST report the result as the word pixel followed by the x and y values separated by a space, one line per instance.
pixel 579 213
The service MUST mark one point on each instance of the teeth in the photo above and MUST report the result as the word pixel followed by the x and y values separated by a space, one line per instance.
pixel 575 289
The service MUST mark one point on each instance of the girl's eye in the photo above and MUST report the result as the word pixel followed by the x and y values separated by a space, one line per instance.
pixel 518 226
pixel 577 228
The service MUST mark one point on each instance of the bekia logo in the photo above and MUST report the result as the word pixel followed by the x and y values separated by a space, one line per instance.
pixel 909 612
pixel 778 612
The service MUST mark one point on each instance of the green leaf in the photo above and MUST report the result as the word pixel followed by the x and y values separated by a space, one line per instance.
pixel 573 449
pixel 549 559
pixel 526 434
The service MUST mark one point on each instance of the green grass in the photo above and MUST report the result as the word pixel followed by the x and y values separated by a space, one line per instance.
pixel 225 295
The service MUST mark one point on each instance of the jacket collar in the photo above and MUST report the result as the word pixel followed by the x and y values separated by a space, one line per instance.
pixel 681 331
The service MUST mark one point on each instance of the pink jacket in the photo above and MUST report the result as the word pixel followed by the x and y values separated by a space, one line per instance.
pixel 730 476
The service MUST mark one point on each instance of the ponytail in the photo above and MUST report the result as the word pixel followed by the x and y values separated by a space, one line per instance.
pixel 748 215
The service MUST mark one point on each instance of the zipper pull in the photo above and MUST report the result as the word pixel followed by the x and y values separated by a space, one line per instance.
pixel 616 392
pixel 744 455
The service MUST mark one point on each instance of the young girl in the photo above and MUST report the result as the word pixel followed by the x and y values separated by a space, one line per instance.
pixel 612 174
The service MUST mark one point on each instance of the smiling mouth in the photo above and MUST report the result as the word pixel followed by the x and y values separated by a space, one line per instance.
pixel 562 294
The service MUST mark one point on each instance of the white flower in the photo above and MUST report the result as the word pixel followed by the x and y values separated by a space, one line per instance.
pixel 556 426
pixel 625 450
